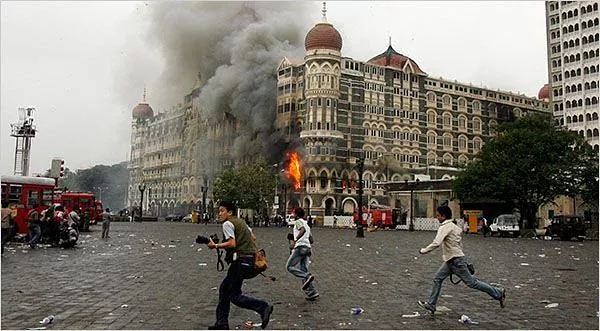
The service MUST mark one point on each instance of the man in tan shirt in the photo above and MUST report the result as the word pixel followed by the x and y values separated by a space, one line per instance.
pixel 449 236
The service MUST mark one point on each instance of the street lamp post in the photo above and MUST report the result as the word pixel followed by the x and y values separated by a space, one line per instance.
pixel 412 186
pixel 142 188
pixel 204 190
pixel 360 165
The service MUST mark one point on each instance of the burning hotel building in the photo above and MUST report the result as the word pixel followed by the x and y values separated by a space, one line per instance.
pixel 403 121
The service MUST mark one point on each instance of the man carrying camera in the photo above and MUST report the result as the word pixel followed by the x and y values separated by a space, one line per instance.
pixel 239 243
pixel 455 262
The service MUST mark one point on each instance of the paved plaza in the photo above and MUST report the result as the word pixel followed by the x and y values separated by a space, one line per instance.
pixel 154 276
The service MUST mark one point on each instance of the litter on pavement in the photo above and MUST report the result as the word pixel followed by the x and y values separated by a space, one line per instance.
pixel 551 305
pixel 415 314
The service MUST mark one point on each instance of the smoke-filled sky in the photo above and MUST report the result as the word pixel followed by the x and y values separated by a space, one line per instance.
pixel 84 65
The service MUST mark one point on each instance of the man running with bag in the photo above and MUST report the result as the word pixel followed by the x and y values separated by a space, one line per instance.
pixel 239 241
pixel 455 262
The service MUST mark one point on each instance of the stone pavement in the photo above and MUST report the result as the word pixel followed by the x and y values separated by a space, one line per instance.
pixel 154 276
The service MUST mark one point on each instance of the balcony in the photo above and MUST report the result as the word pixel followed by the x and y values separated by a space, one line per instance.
pixel 324 134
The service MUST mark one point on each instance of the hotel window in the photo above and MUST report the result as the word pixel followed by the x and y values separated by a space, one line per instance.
pixel 431 139
pixel 462 123
pixel 447 141
pixel 476 125
pixel 476 145
pixel 462 143
pixel 476 107
pixel 446 101
pixel 447 120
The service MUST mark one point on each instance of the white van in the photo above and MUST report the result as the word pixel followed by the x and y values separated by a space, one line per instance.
pixel 505 224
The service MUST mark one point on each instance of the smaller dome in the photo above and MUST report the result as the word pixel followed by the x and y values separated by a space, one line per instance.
pixel 323 36
pixel 142 110
pixel 544 92
pixel 394 59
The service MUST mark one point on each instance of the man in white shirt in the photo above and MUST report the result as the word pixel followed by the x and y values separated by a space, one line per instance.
pixel 298 261
pixel 455 262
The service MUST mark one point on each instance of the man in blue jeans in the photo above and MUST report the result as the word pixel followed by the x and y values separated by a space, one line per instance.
pixel 239 243
pixel 455 262
pixel 297 263
pixel 35 231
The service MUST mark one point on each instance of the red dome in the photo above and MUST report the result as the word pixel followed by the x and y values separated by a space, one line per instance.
pixel 142 110
pixel 394 59
pixel 323 36
pixel 544 92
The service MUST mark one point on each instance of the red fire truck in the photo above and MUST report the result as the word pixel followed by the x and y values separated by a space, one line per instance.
pixel 22 192
pixel 85 201
pixel 376 215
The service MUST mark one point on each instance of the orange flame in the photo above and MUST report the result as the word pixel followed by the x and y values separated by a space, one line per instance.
pixel 294 169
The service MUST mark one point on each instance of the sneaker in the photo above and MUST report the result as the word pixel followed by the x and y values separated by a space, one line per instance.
pixel 307 282
pixel 503 297
pixel 219 327
pixel 426 305
pixel 312 296
pixel 266 316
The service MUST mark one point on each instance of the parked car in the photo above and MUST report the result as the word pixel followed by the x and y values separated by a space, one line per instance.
pixel 566 227
pixel 505 224
pixel 174 218
pixel 187 218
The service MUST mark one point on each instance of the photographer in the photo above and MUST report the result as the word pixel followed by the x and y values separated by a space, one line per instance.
pixel 239 243
pixel 455 262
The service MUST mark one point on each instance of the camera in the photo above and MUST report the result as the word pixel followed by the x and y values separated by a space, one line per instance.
pixel 205 240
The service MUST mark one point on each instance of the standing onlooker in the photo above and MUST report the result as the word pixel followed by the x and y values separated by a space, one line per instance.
pixel 486 226
pixel 106 217
pixel 35 231
pixel 6 214
pixel 238 241
pixel 455 262
pixel 73 217
pixel 300 255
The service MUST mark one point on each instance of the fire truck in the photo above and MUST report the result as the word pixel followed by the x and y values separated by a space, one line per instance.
pixel 85 200
pixel 377 215
pixel 22 192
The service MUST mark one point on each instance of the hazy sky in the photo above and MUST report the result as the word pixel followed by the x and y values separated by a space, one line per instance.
pixel 84 65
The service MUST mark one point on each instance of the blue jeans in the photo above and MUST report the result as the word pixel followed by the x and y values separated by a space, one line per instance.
pixel 35 233
pixel 230 290
pixel 297 265
pixel 458 266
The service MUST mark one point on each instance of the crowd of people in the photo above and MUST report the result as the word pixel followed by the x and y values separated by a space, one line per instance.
pixel 45 226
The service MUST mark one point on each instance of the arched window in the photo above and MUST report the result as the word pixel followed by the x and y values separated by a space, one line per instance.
pixel 580 118
pixel 431 117
pixel 462 142
pixel 476 144
pixel 447 101
pixel 447 119
pixel 323 179
pixel 476 124
pixel 462 122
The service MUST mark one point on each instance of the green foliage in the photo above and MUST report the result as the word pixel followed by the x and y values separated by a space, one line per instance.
pixel 108 183
pixel 529 164
pixel 251 186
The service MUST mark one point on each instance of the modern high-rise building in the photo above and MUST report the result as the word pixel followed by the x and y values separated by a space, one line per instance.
pixel 573 62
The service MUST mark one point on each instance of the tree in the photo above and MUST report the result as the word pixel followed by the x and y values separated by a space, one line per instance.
pixel 528 164
pixel 108 183
pixel 250 186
